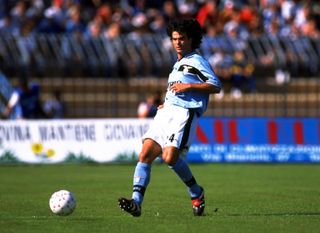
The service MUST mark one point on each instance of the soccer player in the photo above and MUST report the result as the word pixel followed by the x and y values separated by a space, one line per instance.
pixel 190 83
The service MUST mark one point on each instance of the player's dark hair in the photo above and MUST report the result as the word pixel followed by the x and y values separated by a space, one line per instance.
pixel 190 27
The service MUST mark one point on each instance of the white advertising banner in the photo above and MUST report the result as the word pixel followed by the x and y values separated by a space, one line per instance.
pixel 52 141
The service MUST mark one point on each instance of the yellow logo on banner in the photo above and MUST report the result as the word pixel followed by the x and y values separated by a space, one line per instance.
pixel 39 150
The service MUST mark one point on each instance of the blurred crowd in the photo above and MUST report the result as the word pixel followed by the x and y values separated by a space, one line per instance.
pixel 238 20
pixel 111 18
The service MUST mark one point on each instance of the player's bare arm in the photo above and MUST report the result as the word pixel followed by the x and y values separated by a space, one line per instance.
pixel 160 106
pixel 196 87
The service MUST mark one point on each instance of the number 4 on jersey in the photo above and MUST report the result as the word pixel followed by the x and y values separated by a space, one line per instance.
pixel 171 138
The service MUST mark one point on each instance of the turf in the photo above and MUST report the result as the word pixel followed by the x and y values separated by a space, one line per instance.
pixel 240 198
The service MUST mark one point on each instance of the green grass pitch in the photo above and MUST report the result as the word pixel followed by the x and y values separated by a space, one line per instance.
pixel 240 198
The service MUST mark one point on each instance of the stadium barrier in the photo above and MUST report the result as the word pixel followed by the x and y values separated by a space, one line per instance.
pixel 218 140
pixel 117 98
pixel 146 55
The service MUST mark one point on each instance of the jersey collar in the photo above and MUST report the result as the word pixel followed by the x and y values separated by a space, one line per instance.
pixel 188 55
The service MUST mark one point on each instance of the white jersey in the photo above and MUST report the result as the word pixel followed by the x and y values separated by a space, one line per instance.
pixel 192 68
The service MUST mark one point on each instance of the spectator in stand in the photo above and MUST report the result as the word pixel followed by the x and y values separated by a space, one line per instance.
pixel 208 15
pixel 54 18
pixel 226 11
pixel 187 8
pixel 157 21
pixel 254 25
pixel 139 6
pixel 24 102
pixel 149 107
pixel 93 30
pixel 210 42
pixel 303 12
pixel 113 31
pixel 169 10
pixel 6 26
pixel 287 9
pixel 18 14
pixel 96 24
pixel 310 29
pixel 35 9
pixel 232 36
pixel 222 63
pixel 104 14
pixel 242 75
pixel 74 23
pixel 54 107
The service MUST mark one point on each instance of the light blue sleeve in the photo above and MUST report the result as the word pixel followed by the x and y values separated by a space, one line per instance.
pixel 203 70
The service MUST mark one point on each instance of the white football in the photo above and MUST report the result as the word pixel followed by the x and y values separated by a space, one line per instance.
pixel 62 203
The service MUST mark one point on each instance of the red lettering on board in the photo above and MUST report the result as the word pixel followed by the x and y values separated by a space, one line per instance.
pixel 201 135
pixel 233 131
pixel 298 132
pixel 272 132
pixel 218 131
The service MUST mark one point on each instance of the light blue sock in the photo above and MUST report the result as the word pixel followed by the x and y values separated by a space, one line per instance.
pixel 141 180
pixel 182 169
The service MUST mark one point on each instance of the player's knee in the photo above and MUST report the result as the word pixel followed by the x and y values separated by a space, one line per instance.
pixel 144 158
pixel 150 151
pixel 147 157
pixel 169 159
pixel 170 156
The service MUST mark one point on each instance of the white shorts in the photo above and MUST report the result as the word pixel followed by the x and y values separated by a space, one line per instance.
pixel 173 126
